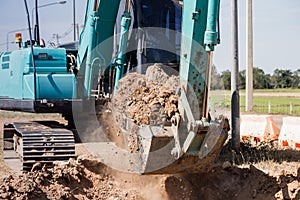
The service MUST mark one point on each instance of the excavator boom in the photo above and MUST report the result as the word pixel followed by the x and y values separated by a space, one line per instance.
pixel 192 139
pixel 120 38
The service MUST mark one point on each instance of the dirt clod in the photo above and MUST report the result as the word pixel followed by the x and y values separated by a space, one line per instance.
pixel 226 165
pixel 147 99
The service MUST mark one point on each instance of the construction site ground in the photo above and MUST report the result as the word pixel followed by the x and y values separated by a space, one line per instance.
pixel 257 172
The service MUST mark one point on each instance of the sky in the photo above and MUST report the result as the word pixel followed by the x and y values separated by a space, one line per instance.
pixel 276 41
pixel 53 19
pixel 276 29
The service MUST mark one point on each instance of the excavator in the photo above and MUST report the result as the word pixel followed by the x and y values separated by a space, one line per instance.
pixel 119 37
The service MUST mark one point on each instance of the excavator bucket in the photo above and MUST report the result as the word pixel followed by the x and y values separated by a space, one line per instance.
pixel 116 140
pixel 162 150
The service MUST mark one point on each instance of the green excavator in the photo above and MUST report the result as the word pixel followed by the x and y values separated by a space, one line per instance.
pixel 119 37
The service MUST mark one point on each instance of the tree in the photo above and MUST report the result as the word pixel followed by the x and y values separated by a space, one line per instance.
pixel 296 79
pixel 242 79
pixel 268 82
pixel 216 83
pixel 226 79
pixel 282 78
pixel 259 78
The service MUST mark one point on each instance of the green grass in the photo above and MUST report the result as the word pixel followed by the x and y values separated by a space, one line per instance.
pixel 279 105
pixel 271 91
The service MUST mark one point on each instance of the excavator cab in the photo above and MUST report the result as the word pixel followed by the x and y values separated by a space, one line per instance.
pixel 160 22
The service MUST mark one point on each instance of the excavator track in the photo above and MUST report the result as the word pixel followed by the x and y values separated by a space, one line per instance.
pixel 29 144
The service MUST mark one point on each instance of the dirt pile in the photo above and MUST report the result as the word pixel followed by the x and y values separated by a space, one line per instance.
pixel 152 104
pixel 86 178
pixel 147 99
pixel 71 180
pixel 231 182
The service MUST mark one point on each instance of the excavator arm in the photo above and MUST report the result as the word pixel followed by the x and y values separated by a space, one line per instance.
pixel 194 138
pixel 95 43
pixel 181 35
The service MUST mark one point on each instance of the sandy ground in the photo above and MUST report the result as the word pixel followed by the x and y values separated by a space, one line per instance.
pixel 260 172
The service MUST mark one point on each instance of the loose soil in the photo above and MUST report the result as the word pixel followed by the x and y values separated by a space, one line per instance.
pixel 260 171
pixel 147 99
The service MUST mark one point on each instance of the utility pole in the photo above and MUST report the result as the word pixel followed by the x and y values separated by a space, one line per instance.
pixel 249 57
pixel 235 97
pixel 77 31
pixel 74 20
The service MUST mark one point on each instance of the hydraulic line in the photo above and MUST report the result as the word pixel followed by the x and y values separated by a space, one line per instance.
pixel 120 61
